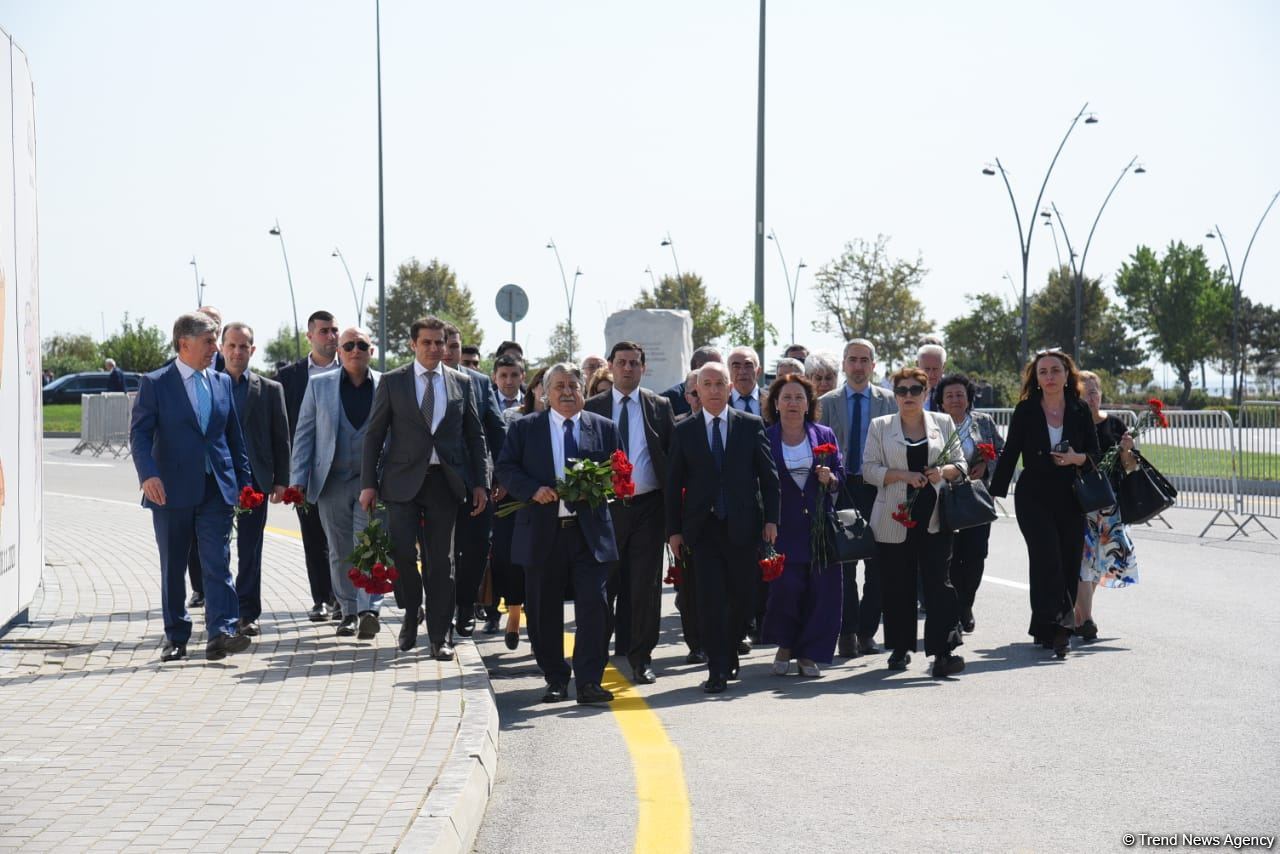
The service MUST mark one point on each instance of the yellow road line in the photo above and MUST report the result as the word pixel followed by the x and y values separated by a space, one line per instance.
pixel 284 532
pixel 664 823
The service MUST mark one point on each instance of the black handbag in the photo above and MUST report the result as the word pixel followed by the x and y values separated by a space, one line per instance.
pixel 849 536
pixel 1144 493
pixel 966 504
pixel 1093 490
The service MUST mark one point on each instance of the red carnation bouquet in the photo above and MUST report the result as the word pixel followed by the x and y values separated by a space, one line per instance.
pixel 823 455
pixel 677 566
pixel 1153 417
pixel 772 563
pixel 250 500
pixel 590 482
pixel 372 569
pixel 294 498
pixel 903 514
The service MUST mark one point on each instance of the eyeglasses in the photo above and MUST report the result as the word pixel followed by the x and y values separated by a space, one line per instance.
pixel 904 390
pixel 351 345
pixel 1052 351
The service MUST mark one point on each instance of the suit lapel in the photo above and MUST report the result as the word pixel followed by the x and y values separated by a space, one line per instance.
pixel 251 399
pixel 179 388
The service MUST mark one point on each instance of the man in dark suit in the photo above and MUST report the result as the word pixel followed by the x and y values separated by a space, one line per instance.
pixel 556 542
pixel 471 537
pixel 260 406
pixel 723 465
pixel 190 457
pixel 675 394
pixel 434 460
pixel 322 333
pixel 644 423
pixel 115 376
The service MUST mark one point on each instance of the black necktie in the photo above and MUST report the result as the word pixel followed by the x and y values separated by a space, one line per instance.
pixel 624 425
pixel 717 453
pixel 854 462
pixel 570 443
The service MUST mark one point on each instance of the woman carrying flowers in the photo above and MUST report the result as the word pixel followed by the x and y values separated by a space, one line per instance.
pixel 803 612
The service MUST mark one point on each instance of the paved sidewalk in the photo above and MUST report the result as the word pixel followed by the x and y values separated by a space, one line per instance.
pixel 308 742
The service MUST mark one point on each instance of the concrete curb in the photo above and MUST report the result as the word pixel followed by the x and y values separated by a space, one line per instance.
pixel 451 815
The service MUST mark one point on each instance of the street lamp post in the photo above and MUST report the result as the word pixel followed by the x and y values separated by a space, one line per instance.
pixel 684 292
pixel 1048 221
pixel 1237 362
pixel 759 342
pixel 1077 271
pixel 792 290
pixel 382 231
pixel 569 294
pixel 199 283
pixel 1024 241
pixel 652 281
pixel 297 333
pixel 337 253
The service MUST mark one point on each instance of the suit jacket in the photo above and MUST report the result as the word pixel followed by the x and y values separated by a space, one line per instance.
pixel 316 439
pixel 659 422
pixel 490 413
pixel 887 449
pixel 294 379
pixel 406 453
pixel 1028 437
pixel 798 504
pixel 527 464
pixel 115 380
pixel 266 429
pixel 749 477
pixel 675 394
pixel 834 413
pixel 166 440
pixel 983 429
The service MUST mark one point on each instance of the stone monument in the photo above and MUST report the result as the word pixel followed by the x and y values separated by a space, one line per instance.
pixel 666 336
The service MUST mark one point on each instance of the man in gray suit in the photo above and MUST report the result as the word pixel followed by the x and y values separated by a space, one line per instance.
pixel 328 452
pixel 260 406
pixel 433 459
pixel 848 411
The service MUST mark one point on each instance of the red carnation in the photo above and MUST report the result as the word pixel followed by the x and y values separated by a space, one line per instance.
pixel 250 498
pixel 825 448
pixel 903 517
pixel 988 450
pixel 392 573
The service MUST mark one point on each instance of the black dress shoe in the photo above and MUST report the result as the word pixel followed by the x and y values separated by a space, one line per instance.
pixel 697 656
pixel 733 673
pixel 196 600
pixel 592 693
pixel 512 640
pixel 347 628
pixel 556 693
pixel 249 628
pixel 867 646
pixel 173 651
pixel 1088 631
pixel 442 651
pixel 899 660
pixel 644 675
pixel 947 665
pixel 408 635
pixel 465 624
pixel 847 646
pixel 223 645
pixel 1061 642
pixel 318 613
pixel 744 647
pixel 368 625
pixel 714 685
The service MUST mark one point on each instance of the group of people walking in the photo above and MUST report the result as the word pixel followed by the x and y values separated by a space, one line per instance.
pixel 723 470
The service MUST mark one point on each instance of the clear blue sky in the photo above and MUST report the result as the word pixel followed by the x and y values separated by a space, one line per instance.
pixel 167 130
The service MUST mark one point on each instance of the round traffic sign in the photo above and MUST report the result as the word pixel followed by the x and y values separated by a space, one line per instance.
pixel 512 302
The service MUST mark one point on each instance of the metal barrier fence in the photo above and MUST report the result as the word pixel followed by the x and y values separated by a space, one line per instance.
pixel 104 423
pixel 1258 437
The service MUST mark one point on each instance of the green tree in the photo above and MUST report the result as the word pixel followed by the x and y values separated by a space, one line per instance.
pixel 138 347
pixel 1105 342
pixel 420 291
pixel 741 328
pixel 987 339
pixel 562 346
pixel 1178 303
pixel 689 293
pixel 867 294
pixel 65 353
pixel 284 347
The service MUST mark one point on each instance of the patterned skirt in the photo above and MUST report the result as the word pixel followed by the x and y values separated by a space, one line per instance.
pixel 1109 557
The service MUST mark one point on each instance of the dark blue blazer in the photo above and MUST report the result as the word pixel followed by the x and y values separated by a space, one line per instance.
pixel 798 505
pixel 526 464
pixel 166 441
pixel 490 412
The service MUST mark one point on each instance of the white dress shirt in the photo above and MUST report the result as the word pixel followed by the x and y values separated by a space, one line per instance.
pixel 642 475
pixel 724 427
pixel 557 447
pixel 421 376
pixel 188 373
pixel 313 368
pixel 754 398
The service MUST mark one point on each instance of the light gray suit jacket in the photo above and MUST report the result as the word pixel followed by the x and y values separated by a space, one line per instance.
pixel 315 438
pixel 833 412
pixel 887 449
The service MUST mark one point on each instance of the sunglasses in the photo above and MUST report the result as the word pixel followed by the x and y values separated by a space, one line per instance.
pixel 904 390
pixel 351 345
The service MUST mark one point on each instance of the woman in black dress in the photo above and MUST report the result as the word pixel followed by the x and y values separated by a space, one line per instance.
pixel 1052 431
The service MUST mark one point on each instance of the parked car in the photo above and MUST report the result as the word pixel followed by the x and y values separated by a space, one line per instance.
pixel 69 387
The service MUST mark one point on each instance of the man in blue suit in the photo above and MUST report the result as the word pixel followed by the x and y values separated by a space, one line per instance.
pixel 191 462
pixel 555 541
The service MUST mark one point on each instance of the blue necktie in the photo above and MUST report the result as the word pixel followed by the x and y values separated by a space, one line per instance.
pixel 855 436
pixel 570 443
pixel 204 405
pixel 717 453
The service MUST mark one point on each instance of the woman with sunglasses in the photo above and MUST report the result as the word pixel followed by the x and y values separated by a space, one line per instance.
pixel 904 458
pixel 1052 431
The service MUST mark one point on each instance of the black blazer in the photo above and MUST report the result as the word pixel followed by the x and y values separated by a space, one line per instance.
pixel 1028 438
pixel 527 464
pixel 495 428
pixel 659 422
pixel 749 477
pixel 266 432
pixel 293 378
pixel 675 394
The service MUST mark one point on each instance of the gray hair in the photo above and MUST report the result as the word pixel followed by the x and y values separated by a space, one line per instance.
pixel 109 362
pixel 239 326
pixel 751 351
pixel 861 342
pixel 560 368
pixel 192 325
pixel 817 363
pixel 932 350
pixel 787 365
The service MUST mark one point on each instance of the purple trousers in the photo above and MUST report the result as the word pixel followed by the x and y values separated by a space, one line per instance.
pixel 803 613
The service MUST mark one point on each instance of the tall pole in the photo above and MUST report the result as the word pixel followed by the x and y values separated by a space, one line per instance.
pixel 382 230
pixel 1024 240
pixel 791 294
pixel 297 333
pixel 652 281
pixel 569 295
pixel 759 342
pixel 199 287
pixel 337 253
pixel 684 292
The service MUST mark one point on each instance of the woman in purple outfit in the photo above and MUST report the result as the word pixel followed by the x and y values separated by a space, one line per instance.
pixel 803 613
